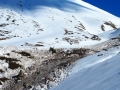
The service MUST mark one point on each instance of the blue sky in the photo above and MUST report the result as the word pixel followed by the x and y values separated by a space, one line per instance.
pixel 111 6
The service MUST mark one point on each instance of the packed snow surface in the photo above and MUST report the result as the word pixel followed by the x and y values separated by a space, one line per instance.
pixel 100 71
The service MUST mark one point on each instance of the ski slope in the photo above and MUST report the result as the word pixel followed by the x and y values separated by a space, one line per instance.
pixel 100 71
pixel 56 23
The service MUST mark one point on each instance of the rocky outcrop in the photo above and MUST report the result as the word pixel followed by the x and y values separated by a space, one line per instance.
pixel 50 68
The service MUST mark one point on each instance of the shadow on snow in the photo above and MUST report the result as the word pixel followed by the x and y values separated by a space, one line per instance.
pixel 64 5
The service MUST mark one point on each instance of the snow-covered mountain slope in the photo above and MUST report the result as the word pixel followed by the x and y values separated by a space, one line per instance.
pixel 58 23
pixel 100 71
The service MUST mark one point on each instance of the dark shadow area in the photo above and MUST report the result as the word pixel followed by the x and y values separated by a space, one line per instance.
pixel 11 62
pixel 64 5
pixel 3 79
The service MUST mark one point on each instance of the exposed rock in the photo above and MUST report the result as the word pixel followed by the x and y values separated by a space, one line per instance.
pixel 95 37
